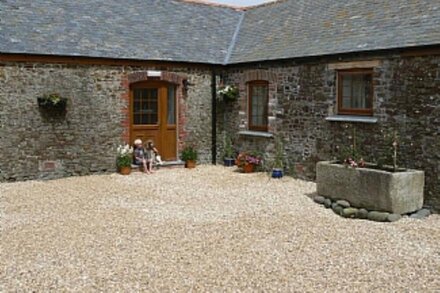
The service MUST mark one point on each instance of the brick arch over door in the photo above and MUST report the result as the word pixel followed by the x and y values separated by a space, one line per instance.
pixel 166 76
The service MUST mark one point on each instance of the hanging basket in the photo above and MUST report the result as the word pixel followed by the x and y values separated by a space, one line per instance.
pixel 52 103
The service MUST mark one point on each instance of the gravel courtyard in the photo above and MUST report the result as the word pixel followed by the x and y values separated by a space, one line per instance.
pixel 208 229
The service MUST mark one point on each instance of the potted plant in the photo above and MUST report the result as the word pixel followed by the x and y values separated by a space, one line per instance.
pixel 371 186
pixel 124 159
pixel 189 156
pixel 277 170
pixel 52 102
pixel 228 93
pixel 248 161
pixel 228 155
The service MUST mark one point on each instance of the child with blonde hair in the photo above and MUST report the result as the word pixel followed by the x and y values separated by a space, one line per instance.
pixel 140 156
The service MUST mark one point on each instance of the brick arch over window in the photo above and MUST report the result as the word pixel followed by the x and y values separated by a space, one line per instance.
pixel 258 75
pixel 166 76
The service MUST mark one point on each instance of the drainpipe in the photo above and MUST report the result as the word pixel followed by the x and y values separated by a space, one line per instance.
pixel 214 118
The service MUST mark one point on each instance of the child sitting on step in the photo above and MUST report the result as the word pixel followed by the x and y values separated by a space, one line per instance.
pixel 151 155
pixel 140 156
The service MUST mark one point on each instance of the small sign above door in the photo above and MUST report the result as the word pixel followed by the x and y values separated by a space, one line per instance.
pixel 154 73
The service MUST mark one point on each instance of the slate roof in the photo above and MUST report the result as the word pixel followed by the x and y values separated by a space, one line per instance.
pixel 301 28
pixel 121 29
pixel 173 30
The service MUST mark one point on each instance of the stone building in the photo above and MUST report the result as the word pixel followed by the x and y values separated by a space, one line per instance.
pixel 317 74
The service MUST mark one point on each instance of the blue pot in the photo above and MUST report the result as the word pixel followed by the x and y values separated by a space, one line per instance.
pixel 228 162
pixel 277 173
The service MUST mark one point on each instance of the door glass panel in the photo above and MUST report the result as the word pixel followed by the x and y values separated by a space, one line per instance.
pixel 171 105
pixel 145 106
pixel 137 119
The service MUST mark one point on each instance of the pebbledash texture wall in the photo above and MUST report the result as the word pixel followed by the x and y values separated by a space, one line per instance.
pixel 303 94
pixel 84 140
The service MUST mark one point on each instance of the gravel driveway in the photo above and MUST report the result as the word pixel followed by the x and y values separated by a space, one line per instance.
pixel 208 229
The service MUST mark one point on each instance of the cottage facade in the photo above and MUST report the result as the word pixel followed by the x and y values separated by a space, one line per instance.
pixel 316 74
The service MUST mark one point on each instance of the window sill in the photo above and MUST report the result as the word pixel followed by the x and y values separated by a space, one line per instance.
pixel 351 118
pixel 256 133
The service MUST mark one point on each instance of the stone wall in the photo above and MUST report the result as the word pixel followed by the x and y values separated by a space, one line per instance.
pixel 406 101
pixel 302 94
pixel 35 145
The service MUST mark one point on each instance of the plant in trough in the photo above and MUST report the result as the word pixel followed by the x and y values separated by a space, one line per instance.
pixel 351 155
pixel 390 154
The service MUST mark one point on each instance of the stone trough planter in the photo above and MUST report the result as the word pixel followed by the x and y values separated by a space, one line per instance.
pixel 373 189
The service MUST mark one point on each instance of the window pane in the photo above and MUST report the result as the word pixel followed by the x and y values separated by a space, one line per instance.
pixel 136 107
pixel 152 108
pixel 137 95
pixel 368 93
pixel 171 105
pixel 346 91
pixel 137 98
pixel 258 105
pixel 358 98
pixel 356 91
pixel 145 106
pixel 137 119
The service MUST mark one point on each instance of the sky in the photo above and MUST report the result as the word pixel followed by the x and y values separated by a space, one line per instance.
pixel 240 2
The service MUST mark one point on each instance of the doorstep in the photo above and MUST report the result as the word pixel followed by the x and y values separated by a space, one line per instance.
pixel 165 165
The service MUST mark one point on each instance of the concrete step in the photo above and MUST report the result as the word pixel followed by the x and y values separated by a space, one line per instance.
pixel 164 165
pixel 171 164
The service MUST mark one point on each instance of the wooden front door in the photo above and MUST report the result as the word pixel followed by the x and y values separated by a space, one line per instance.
pixel 153 116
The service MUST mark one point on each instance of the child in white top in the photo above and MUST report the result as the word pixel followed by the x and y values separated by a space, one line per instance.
pixel 150 153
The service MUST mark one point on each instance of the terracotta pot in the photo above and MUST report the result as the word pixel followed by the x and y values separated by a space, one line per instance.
pixel 190 164
pixel 248 168
pixel 125 170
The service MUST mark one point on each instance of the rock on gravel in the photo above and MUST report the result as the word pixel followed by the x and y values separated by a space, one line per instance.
pixel 362 214
pixel 420 214
pixel 327 203
pixel 337 208
pixel 210 229
pixel 343 203
pixel 349 212
pixel 319 199
pixel 394 217
pixel 378 216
